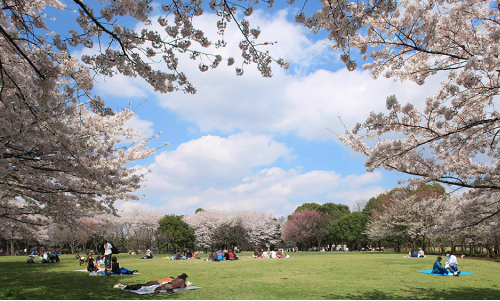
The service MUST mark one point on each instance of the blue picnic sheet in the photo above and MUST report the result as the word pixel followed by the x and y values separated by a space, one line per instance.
pixel 449 274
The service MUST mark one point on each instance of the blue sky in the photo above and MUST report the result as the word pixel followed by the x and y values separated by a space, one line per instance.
pixel 253 143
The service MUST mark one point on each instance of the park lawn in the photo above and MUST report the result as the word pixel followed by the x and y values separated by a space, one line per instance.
pixel 306 275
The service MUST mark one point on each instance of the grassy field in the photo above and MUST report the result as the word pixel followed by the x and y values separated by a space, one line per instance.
pixel 307 275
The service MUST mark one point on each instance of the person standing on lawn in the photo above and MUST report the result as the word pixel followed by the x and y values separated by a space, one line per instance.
pixel 107 255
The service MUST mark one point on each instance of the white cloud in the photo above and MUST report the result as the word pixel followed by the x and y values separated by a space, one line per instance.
pixel 213 160
pixel 240 172
pixel 232 174
pixel 299 102
pixel 143 126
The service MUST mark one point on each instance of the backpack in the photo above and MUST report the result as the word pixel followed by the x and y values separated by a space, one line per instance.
pixel 114 250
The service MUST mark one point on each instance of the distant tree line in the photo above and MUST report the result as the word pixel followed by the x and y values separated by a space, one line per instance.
pixel 402 219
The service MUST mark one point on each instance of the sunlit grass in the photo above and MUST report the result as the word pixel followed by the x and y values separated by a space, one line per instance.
pixel 306 275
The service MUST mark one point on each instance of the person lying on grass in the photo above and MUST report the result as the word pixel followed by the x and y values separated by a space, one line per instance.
pixel 179 282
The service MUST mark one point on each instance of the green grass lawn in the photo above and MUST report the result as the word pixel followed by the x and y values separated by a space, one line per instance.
pixel 306 275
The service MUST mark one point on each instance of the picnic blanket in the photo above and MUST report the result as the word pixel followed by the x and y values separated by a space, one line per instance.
pixel 449 274
pixel 85 270
pixel 101 273
pixel 163 291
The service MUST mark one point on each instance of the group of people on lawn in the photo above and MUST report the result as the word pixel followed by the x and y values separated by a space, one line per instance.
pixel 186 254
pixel 450 266
pixel 420 253
pixel 222 255
pixel 111 265
pixel 265 254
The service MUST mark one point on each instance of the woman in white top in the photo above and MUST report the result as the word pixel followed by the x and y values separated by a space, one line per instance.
pixel 451 262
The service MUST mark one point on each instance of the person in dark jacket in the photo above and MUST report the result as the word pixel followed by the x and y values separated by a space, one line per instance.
pixel 90 263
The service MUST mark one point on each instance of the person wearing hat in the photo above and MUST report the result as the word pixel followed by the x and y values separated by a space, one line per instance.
pixel 438 268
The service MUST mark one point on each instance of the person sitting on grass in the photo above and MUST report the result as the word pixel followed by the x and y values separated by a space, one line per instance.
pixel 91 266
pixel 265 254
pixel 115 267
pixel 148 255
pixel 438 268
pixel 451 261
pixel 279 254
pixel 220 256
pixel 178 256
pixel 274 254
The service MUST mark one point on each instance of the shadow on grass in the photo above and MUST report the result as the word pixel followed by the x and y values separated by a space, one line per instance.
pixel 466 293
pixel 46 281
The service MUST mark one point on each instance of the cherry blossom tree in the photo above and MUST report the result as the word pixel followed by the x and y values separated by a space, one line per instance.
pixel 143 225
pixel 58 141
pixel 459 229
pixel 408 216
pixel 454 138
pixel 214 227
pixel 14 233
pixel 73 235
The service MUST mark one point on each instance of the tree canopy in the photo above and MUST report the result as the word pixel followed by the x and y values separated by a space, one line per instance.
pixel 350 229
pixel 335 211
pixel 174 232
